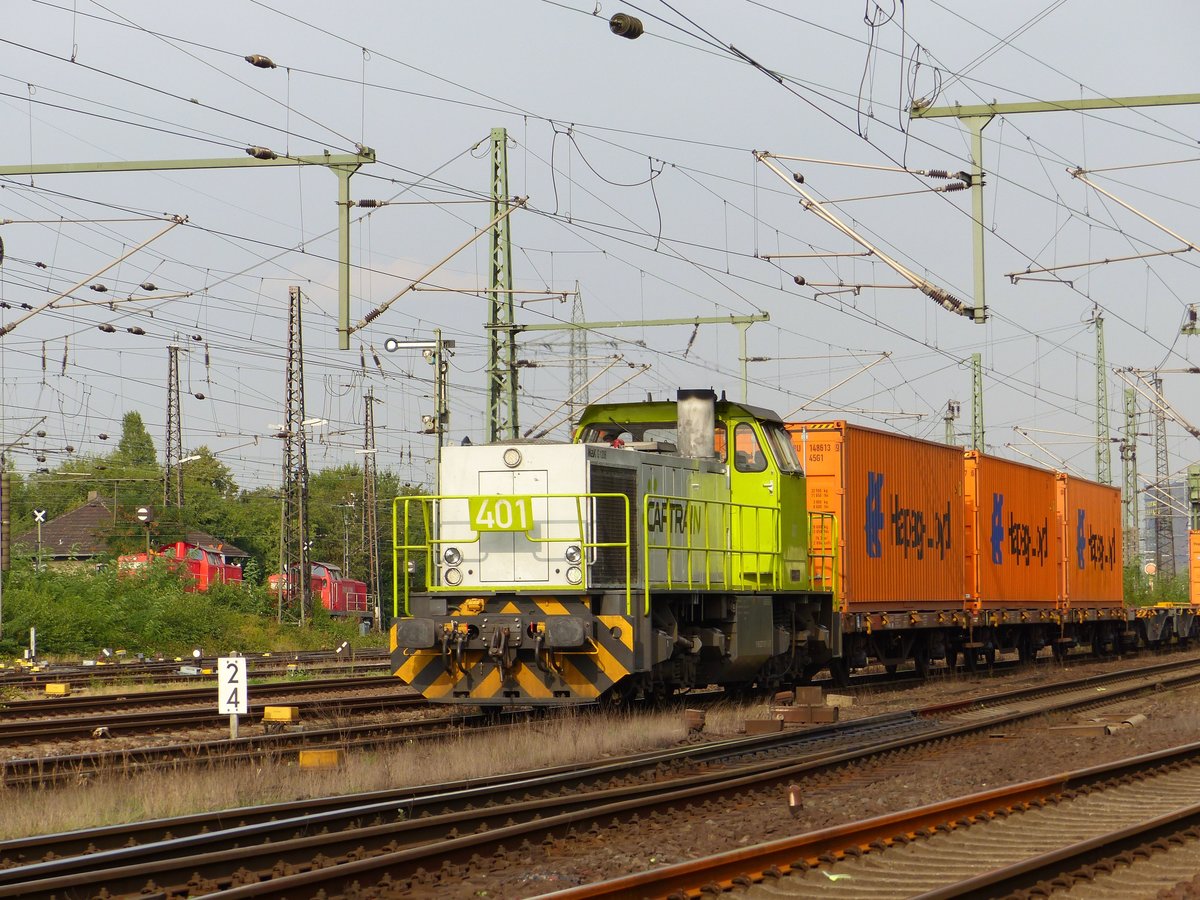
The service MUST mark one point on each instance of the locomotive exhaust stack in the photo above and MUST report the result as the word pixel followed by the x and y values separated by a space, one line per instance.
pixel 697 416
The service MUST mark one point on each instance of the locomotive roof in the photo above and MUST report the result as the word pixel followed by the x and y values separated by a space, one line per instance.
pixel 666 410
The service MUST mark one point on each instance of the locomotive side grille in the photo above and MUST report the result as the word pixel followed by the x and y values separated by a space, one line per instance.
pixel 609 567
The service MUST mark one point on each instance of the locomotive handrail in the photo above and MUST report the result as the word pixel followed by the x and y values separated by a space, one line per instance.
pixel 766 562
pixel 430 503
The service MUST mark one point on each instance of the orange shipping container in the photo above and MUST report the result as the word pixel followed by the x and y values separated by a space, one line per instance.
pixel 899 505
pixel 1013 540
pixel 1194 565
pixel 1090 517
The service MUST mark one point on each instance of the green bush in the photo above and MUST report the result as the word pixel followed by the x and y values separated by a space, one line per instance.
pixel 77 613
pixel 1141 590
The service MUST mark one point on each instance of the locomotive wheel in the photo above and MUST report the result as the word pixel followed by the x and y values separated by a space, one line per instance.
pixel 620 695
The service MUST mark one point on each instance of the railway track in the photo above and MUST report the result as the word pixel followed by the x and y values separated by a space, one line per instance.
pixel 112 724
pixel 79 705
pixel 1130 828
pixel 436 837
pixel 261 665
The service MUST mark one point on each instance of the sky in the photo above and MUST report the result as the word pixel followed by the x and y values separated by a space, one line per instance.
pixel 643 200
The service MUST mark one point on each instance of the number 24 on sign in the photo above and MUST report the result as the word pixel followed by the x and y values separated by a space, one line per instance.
pixel 231 686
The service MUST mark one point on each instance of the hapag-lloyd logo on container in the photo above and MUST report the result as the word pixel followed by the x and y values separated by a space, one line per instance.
pixel 1026 541
pixel 1093 547
pixel 911 529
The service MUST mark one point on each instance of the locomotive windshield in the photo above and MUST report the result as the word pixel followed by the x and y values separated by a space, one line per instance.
pixel 781 444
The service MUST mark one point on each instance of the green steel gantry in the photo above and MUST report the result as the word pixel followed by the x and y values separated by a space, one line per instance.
pixel 976 118
pixel 1103 441
pixel 502 419
pixel 343 165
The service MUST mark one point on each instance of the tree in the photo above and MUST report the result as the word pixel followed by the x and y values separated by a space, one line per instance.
pixel 136 447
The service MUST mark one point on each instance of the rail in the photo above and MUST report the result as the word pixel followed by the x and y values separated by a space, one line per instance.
pixel 517 518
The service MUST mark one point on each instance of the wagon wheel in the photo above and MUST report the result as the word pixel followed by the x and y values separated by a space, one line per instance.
pixel 1025 652
pixel 971 660
pixel 921 662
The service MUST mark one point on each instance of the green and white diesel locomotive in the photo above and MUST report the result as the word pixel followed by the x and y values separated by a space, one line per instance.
pixel 668 546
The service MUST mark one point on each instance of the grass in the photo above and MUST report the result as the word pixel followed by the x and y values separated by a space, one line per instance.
pixel 567 737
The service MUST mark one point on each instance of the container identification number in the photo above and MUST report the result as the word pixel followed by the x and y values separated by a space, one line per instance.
pixel 500 513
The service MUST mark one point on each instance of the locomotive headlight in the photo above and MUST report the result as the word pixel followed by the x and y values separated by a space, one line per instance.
pixel 573 554
pixel 512 457
pixel 453 577
pixel 452 556
pixel 574 575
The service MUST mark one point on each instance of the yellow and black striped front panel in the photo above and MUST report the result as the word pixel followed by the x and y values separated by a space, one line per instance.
pixel 577 675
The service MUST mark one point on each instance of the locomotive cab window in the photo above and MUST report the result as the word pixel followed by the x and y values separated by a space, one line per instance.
pixel 782 447
pixel 748 453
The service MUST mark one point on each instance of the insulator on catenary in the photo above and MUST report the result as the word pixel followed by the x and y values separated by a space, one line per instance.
pixel 951 188
pixel 625 25
pixel 799 279
pixel 261 152
pixel 937 173
pixel 371 204
pixel 106 328
pixel 259 61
